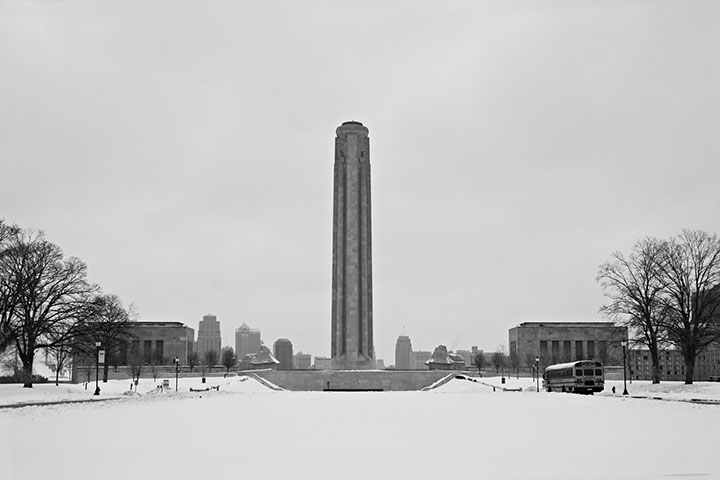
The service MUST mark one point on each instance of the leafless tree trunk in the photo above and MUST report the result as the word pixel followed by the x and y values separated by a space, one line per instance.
pixel 635 286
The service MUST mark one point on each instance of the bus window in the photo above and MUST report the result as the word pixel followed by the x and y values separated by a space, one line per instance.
pixel 598 372
pixel 578 372
pixel 588 372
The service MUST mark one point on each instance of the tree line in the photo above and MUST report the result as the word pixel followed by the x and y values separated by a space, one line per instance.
pixel 667 292
pixel 48 304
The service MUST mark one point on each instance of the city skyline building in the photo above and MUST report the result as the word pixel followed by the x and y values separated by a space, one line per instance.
pixel 283 352
pixel 302 361
pixel 247 341
pixel 208 337
pixel 403 350
pixel 322 363
pixel 352 320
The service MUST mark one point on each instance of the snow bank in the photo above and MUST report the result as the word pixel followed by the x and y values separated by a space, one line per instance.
pixel 14 394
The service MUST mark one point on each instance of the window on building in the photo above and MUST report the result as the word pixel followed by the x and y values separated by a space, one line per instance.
pixel 566 350
pixel 543 347
pixel 579 355
pixel 591 349
pixel 147 351
pixel 159 354
pixel 556 349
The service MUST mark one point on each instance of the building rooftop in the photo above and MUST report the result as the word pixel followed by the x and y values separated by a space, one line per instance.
pixel 567 324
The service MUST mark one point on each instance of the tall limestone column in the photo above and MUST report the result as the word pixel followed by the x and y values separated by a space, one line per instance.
pixel 352 327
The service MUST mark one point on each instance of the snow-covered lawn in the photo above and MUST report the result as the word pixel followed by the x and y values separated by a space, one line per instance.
pixel 461 430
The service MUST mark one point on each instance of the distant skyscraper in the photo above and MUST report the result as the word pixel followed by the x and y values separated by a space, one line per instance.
pixel 247 341
pixel 323 363
pixel 283 351
pixel 403 347
pixel 418 359
pixel 208 335
pixel 302 361
pixel 352 319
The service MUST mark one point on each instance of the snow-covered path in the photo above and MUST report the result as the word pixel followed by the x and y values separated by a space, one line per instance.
pixel 440 434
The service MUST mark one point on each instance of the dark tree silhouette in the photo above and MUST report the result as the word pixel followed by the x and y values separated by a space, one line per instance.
pixel 479 361
pixel 691 270
pixel 211 359
pixel 227 358
pixel 49 295
pixel 635 285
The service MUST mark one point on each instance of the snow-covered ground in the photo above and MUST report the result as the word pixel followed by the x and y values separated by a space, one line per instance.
pixel 461 429
pixel 47 392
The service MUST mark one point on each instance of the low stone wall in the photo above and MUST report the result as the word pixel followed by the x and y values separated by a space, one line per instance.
pixel 385 380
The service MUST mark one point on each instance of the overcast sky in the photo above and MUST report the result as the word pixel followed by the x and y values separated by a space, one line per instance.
pixel 184 151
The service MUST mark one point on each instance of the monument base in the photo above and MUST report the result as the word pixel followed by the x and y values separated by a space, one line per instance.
pixel 360 363
pixel 359 380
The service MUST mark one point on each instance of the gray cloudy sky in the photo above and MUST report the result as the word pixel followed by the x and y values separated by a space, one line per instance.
pixel 184 150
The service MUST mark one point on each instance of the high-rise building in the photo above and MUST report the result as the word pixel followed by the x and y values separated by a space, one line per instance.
pixel 418 360
pixel 352 320
pixel 208 336
pixel 283 351
pixel 247 341
pixel 403 348
pixel 323 363
pixel 302 361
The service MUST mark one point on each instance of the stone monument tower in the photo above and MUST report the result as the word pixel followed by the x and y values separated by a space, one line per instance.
pixel 352 327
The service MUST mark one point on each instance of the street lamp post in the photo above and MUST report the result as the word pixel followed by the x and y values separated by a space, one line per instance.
pixel 625 392
pixel 537 372
pixel 177 369
pixel 97 367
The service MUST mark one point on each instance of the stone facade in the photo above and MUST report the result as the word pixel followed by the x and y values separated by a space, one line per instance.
pixel 319 380
pixel 157 343
pixel 557 342
pixel 352 321
pixel 672 364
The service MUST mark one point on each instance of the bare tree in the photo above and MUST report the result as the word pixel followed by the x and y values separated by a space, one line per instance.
pixel 479 361
pixel 635 285
pixel 193 360
pixel 211 359
pixel 60 355
pixel 108 322
pixel 691 269
pixel 227 358
pixel 135 364
pixel 50 295
pixel 498 359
